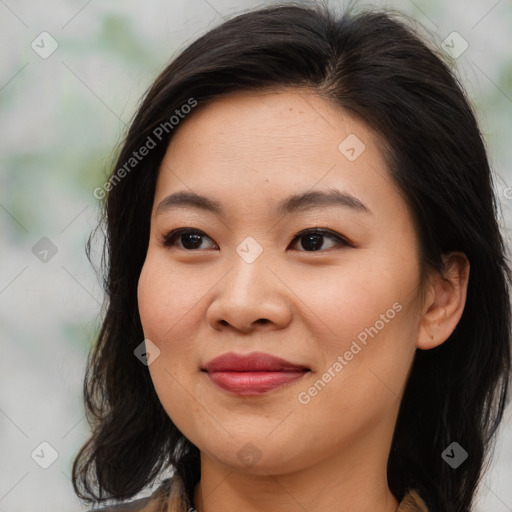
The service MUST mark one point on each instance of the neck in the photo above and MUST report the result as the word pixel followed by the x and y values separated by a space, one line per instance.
pixel 354 481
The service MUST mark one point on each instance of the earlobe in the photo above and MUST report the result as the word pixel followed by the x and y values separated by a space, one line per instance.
pixel 445 298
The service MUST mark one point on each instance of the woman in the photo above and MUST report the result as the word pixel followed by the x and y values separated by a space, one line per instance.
pixel 308 292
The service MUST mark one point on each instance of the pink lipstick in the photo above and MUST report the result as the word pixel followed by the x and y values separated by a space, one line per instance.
pixel 252 374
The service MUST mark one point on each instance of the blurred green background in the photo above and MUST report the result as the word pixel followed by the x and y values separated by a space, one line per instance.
pixel 71 75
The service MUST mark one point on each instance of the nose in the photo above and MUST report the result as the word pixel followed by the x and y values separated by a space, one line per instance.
pixel 250 296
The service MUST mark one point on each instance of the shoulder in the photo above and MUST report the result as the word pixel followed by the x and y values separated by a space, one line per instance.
pixel 412 502
pixel 131 506
pixel 140 504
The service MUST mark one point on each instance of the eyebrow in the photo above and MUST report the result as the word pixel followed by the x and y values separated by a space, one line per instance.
pixel 303 201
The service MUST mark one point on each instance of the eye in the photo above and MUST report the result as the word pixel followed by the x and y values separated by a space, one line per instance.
pixel 190 238
pixel 313 239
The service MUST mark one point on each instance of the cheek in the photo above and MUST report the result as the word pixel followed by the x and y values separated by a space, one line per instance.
pixel 368 316
pixel 162 308
pixel 343 303
pixel 163 315
pixel 166 299
pixel 172 313
pixel 151 301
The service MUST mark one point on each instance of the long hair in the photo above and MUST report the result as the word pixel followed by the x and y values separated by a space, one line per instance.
pixel 375 66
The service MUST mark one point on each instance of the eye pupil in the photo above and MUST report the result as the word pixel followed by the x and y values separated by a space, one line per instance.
pixel 313 241
pixel 196 240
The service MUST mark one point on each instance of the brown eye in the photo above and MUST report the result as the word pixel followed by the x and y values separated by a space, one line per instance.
pixel 313 239
pixel 189 239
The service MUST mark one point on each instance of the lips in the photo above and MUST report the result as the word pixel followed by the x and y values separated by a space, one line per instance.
pixel 253 362
pixel 252 374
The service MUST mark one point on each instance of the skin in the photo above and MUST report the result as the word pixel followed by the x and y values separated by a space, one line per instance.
pixel 249 151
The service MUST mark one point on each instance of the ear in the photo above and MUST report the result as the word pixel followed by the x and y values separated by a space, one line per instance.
pixel 444 301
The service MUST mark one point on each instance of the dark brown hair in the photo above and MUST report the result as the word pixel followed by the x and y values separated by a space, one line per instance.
pixel 374 66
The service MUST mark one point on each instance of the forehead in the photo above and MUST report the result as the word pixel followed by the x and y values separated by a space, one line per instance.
pixel 261 145
pixel 280 124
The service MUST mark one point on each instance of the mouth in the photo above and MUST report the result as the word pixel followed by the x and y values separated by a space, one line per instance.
pixel 252 374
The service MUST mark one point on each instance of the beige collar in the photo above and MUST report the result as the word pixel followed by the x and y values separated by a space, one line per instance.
pixel 412 502
pixel 178 501
pixel 171 497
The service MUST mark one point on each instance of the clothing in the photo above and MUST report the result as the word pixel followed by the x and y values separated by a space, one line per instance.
pixel 172 492
pixel 412 502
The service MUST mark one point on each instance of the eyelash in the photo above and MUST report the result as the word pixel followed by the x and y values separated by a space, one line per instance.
pixel 169 240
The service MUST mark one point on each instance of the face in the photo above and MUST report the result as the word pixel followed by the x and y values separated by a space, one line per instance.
pixel 327 281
